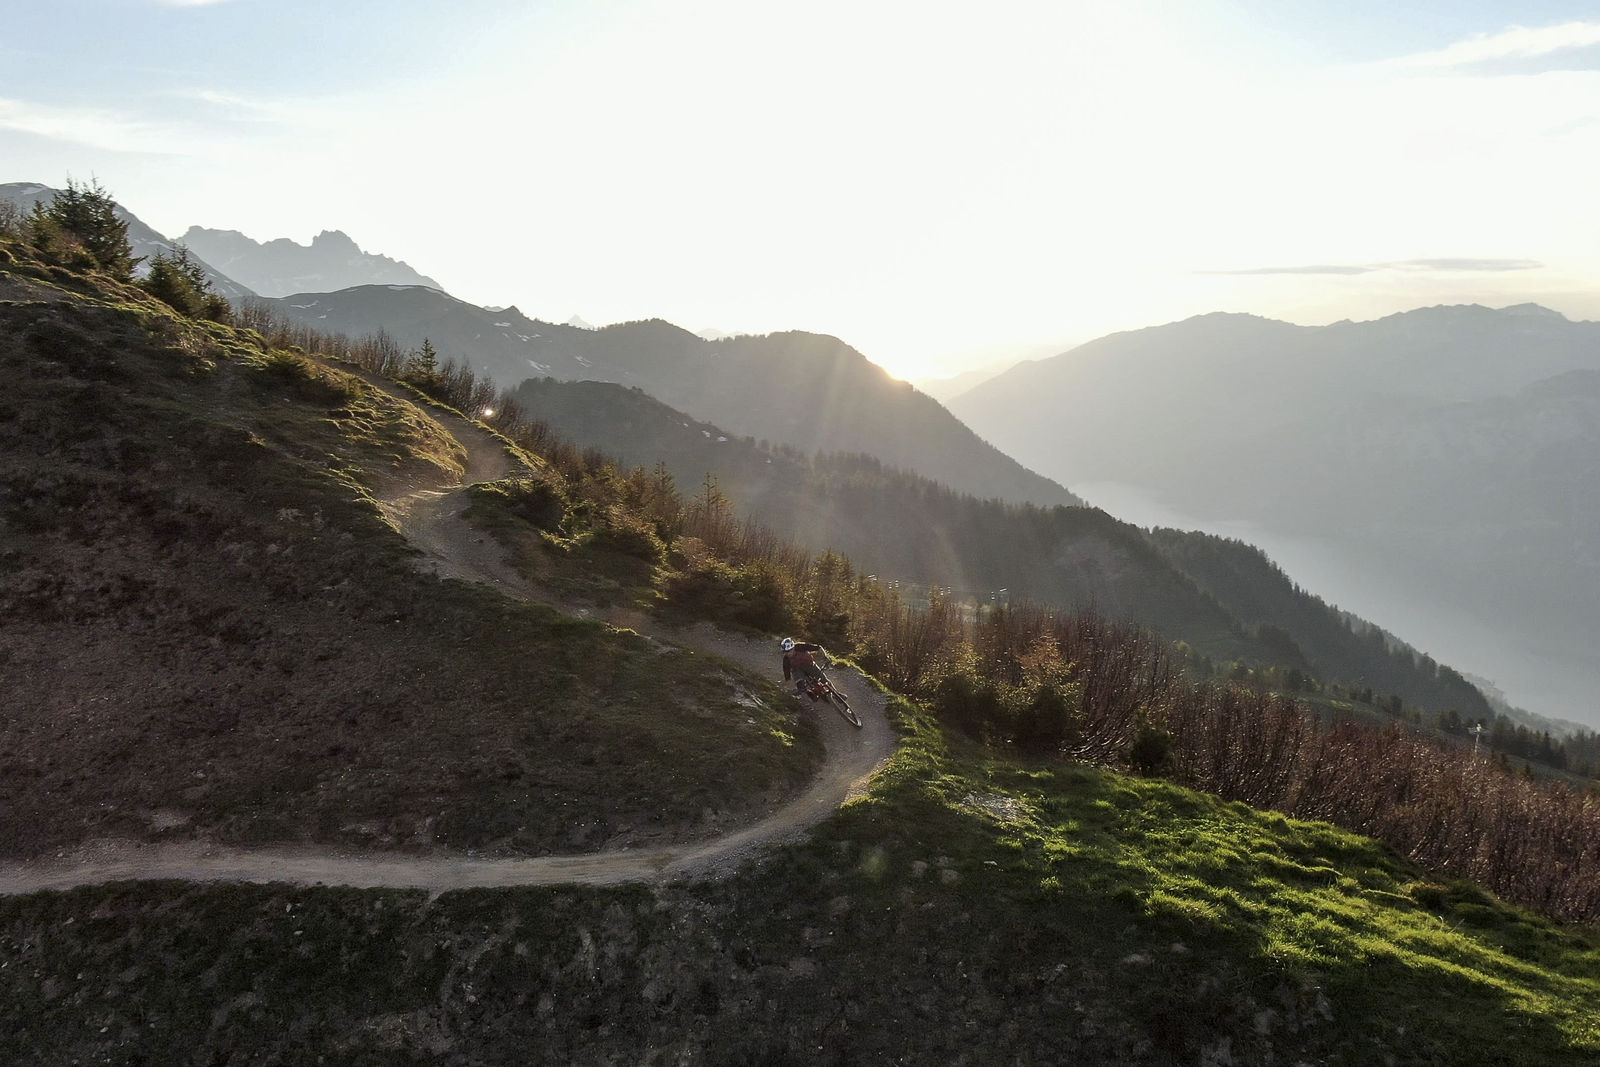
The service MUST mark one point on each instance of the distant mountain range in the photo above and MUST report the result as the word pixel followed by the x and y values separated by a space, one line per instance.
pixel 947 389
pixel 277 268
pixel 812 392
pixel 240 268
pixel 1451 453
pixel 808 391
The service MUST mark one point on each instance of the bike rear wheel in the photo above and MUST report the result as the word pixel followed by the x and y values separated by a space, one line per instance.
pixel 843 706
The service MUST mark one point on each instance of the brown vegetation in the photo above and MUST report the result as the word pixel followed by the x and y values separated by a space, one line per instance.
pixel 1537 843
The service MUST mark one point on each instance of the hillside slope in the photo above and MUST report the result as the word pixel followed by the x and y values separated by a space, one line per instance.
pixel 969 911
pixel 214 633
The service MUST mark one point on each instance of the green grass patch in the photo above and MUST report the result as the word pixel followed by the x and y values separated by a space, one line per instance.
pixel 1188 924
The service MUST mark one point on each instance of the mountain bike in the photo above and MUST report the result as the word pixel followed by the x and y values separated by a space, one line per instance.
pixel 819 688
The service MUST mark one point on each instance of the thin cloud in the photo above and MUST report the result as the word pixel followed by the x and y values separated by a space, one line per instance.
pixel 1516 43
pixel 229 119
pixel 232 107
pixel 93 127
pixel 1449 265
pixel 1485 265
pixel 211 96
pixel 1310 268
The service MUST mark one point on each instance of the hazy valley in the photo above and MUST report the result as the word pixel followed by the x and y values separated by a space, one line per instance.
pixel 1445 457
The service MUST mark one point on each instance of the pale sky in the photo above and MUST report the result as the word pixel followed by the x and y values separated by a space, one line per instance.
pixel 933 182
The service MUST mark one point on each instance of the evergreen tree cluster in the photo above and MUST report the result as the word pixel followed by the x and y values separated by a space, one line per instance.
pixel 80 228
pixel 180 281
pixel 1577 753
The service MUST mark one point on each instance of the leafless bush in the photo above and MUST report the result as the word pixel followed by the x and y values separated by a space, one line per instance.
pixel 12 219
pixel 1534 843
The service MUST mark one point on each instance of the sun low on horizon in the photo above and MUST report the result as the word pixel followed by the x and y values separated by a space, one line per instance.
pixel 937 184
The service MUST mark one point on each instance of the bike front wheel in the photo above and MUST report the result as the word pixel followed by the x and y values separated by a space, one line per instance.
pixel 843 706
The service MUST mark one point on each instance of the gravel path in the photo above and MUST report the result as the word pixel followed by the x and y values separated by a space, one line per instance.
pixel 430 519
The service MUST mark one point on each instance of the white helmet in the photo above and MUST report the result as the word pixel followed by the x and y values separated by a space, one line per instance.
pixel 788 644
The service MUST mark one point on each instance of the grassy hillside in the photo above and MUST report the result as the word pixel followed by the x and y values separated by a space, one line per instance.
pixel 969 910
pixel 1076 685
pixel 212 632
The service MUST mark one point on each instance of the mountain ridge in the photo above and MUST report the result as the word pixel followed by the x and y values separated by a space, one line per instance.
pixel 1449 449
pixel 906 528
pixel 280 267
pixel 811 391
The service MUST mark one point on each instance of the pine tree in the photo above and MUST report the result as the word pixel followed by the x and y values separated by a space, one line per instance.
pixel 423 364
pixel 89 214
pixel 181 282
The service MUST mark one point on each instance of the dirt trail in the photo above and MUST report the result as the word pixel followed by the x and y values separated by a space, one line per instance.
pixel 430 518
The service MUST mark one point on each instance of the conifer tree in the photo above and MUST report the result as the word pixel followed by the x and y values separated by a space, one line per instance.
pixel 181 282
pixel 423 363
pixel 88 213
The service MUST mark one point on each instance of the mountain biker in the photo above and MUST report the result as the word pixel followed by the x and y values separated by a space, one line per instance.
pixel 800 665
